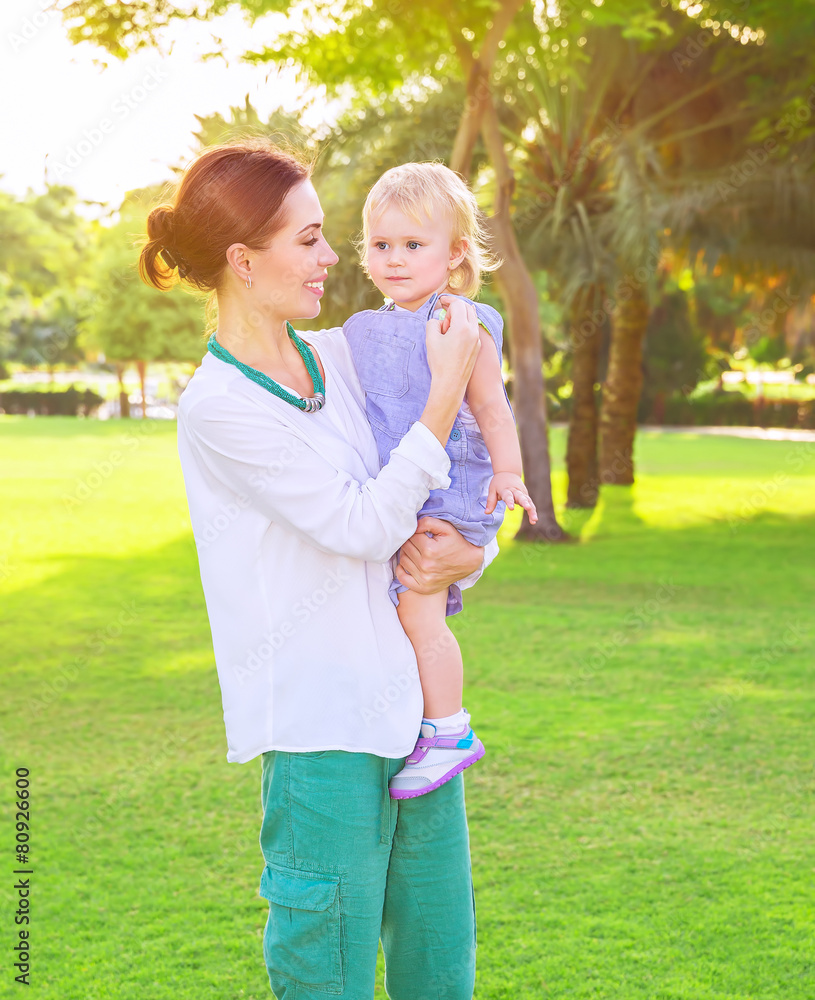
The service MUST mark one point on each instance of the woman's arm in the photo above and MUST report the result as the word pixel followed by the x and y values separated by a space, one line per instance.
pixel 279 474
pixel 268 467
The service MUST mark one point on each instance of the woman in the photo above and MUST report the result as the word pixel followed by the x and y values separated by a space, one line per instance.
pixel 295 527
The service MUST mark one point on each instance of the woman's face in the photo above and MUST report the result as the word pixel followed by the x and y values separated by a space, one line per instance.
pixel 287 279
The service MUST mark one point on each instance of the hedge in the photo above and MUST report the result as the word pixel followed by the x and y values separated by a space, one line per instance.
pixel 66 403
pixel 732 409
pixel 716 409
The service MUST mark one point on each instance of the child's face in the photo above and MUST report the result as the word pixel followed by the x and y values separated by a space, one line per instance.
pixel 408 260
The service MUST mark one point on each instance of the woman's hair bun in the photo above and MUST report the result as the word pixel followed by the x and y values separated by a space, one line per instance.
pixel 157 259
pixel 232 193
pixel 161 224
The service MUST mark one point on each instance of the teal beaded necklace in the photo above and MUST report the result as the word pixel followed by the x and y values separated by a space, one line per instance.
pixel 310 404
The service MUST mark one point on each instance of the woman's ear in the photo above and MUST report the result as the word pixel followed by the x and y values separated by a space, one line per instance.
pixel 238 259
pixel 458 251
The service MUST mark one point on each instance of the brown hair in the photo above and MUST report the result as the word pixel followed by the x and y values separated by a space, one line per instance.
pixel 232 193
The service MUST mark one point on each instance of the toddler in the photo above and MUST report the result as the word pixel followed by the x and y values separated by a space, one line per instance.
pixel 422 238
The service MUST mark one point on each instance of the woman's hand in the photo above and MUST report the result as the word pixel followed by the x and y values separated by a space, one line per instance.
pixel 428 565
pixel 453 343
pixel 451 357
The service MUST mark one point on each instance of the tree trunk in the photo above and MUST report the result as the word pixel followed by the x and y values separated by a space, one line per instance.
pixel 141 369
pixel 478 70
pixel 124 402
pixel 514 281
pixel 478 93
pixel 520 298
pixel 621 390
pixel 581 449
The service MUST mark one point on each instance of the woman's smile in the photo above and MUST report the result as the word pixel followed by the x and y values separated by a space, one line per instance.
pixel 316 286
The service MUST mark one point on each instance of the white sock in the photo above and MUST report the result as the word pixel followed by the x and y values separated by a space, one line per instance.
pixel 450 723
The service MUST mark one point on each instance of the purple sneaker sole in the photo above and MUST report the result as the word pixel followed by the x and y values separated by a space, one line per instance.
pixel 412 793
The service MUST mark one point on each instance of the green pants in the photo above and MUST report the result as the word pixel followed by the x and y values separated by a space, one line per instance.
pixel 347 865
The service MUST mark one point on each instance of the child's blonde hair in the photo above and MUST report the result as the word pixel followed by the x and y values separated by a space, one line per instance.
pixel 424 189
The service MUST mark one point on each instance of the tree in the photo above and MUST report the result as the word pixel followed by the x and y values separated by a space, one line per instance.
pixel 652 35
pixel 608 141
pixel 674 352
pixel 702 83
pixel 44 241
pixel 126 319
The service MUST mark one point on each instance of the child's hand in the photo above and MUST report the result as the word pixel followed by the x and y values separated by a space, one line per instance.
pixel 510 488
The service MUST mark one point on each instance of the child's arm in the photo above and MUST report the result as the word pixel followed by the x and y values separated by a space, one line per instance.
pixel 485 397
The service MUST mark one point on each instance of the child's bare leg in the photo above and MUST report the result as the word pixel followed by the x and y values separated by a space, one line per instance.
pixel 437 651
pixel 447 744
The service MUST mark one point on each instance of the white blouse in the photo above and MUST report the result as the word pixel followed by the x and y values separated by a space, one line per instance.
pixel 296 529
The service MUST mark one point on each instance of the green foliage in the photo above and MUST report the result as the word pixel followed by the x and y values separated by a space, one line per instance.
pixel 244 122
pixel 43 244
pixel 125 318
pixel 125 26
pixel 768 350
pixel 381 45
pixel 589 184
pixel 674 353
pixel 629 123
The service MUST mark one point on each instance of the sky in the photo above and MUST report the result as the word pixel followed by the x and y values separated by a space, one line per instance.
pixel 103 126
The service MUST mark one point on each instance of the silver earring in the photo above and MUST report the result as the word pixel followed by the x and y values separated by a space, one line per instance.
pixel 248 281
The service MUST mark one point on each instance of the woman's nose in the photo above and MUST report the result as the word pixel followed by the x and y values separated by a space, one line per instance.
pixel 328 257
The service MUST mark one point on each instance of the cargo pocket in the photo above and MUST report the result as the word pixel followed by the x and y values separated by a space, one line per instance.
pixel 303 937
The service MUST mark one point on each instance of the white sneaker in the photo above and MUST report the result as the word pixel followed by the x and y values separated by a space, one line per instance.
pixel 434 760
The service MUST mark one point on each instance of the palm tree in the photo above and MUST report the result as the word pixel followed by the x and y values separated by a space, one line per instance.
pixel 606 145
pixel 586 216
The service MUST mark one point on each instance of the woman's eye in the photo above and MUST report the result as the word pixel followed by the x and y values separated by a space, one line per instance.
pixel 311 242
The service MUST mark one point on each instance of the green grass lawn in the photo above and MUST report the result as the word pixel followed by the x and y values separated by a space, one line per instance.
pixel 642 824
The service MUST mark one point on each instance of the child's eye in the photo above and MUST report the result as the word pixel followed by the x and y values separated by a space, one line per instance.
pixel 381 245
pixel 413 245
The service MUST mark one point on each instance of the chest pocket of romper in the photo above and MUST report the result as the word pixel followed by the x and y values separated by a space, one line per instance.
pixel 382 363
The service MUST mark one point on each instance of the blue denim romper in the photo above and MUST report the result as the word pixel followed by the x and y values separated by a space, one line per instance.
pixel 390 354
